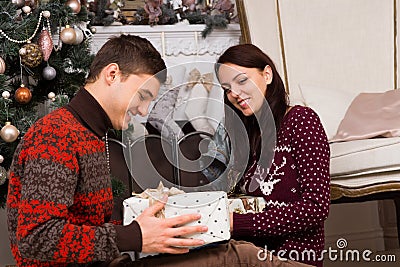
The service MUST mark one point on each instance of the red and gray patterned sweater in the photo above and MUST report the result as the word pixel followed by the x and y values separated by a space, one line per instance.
pixel 296 189
pixel 60 198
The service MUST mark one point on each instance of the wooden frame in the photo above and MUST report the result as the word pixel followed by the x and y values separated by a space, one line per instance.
pixel 244 25
pixel 269 38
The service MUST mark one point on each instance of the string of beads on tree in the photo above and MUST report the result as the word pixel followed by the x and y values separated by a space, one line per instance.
pixel 44 60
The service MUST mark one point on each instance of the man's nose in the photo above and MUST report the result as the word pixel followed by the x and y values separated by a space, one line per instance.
pixel 143 110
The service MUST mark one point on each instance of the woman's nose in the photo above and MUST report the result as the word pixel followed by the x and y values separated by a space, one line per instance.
pixel 235 92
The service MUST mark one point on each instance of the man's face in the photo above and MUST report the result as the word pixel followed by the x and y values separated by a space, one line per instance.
pixel 135 94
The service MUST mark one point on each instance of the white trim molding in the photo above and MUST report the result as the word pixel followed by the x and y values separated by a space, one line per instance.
pixel 174 40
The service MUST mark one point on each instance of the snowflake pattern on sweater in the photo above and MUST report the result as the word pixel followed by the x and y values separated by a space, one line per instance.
pixel 295 187
pixel 60 197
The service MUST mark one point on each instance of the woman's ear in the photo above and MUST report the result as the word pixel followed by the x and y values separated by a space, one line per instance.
pixel 110 72
pixel 268 75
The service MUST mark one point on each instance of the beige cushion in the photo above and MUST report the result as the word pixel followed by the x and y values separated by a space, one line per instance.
pixel 371 115
pixel 330 104
pixel 366 156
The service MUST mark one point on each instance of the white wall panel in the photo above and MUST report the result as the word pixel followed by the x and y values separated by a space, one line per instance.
pixel 263 25
pixel 339 43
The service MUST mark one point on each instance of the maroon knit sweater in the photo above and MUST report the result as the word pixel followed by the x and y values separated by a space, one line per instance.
pixel 298 193
pixel 60 200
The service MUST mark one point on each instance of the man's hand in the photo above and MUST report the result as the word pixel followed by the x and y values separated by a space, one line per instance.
pixel 162 235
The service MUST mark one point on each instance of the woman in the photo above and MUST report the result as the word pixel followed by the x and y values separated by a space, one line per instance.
pixel 295 182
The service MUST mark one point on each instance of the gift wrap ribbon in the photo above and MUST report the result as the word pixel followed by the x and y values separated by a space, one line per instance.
pixel 155 195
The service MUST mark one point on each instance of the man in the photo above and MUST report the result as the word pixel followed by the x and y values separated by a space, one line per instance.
pixel 60 199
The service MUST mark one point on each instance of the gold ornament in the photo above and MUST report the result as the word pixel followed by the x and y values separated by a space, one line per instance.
pixel 32 57
pixel 46 44
pixel 9 133
pixel 79 36
pixel 2 66
pixel 23 95
pixel 75 5
pixel 68 35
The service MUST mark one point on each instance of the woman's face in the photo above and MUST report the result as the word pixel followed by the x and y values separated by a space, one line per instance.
pixel 245 87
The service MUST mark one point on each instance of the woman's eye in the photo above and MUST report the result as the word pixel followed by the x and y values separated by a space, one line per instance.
pixel 141 97
pixel 242 81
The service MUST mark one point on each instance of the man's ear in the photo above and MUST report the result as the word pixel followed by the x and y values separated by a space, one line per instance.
pixel 111 72
pixel 268 75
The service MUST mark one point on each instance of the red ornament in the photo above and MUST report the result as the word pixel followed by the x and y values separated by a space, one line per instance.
pixel 23 95
pixel 46 44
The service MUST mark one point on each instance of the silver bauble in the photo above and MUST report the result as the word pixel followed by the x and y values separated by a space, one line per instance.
pixel 9 133
pixel 1 159
pixel 49 73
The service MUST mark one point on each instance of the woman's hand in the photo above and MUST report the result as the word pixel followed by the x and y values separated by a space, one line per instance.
pixel 231 220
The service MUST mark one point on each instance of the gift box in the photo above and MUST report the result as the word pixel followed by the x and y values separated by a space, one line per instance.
pixel 213 207
pixel 246 204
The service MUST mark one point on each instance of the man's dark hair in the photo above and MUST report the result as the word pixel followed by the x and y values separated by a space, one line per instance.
pixel 133 54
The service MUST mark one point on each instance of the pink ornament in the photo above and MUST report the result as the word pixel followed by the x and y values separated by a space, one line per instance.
pixel 75 5
pixel 46 44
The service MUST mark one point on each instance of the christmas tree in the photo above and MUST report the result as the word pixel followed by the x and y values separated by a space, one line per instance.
pixel 44 58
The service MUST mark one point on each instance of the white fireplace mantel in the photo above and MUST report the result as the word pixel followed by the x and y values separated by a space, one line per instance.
pixel 182 42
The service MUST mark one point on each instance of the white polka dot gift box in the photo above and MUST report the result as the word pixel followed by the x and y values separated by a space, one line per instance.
pixel 246 204
pixel 212 205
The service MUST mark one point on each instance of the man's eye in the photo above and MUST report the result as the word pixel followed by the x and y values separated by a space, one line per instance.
pixel 141 97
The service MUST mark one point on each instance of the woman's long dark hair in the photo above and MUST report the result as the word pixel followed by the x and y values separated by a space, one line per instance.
pixel 250 56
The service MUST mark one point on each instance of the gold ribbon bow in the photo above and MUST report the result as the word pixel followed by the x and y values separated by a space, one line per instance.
pixel 195 77
pixel 154 195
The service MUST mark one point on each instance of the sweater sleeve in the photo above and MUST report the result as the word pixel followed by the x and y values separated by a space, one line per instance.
pixel 311 152
pixel 44 195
